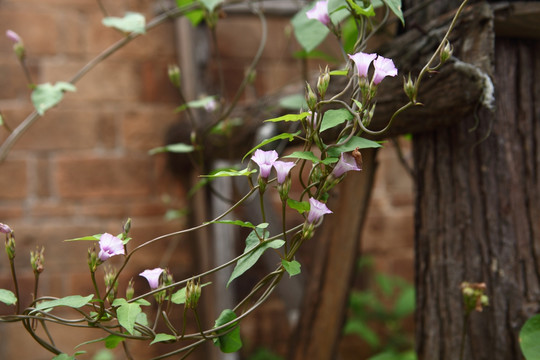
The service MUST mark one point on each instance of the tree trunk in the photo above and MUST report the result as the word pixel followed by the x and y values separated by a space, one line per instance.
pixel 477 212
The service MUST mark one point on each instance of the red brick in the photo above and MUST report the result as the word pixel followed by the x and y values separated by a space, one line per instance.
pixel 13 83
pixel 61 130
pixel 39 39
pixel 10 210
pixel 145 129
pixel 109 82
pixel 157 87
pixel 44 209
pixel 14 179
pixel 101 177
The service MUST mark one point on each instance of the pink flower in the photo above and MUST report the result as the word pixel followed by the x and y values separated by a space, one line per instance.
pixel 13 36
pixel 282 170
pixel 316 210
pixel 319 12
pixel 383 67
pixel 362 62
pixel 152 276
pixel 5 229
pixel 346 162
pixel 110 246
pixel 265 160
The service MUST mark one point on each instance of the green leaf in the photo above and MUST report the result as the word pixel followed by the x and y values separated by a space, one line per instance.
pixel 87 238
pixel 385 283
pixel 162 338
pixel 73 301
pixel 131 22
pixel 332 118
pixel 231 341
pixel 361 329
pixel 292 267
pixel 293 102
pixel 45 96
pixel 268 141
pixel 339 72
pixel 353 143
pixel 395 6
pixel 230 172
pixel 290 117
pixel 194 104
pixel 179 297
pixel 63 357
pixel 308 155
pixel 528 338
pixel 7 297
pixel 127 316
pixel 300 206
pixel 255 248
pixel 112 341
pixel 173 148
pixel 405 303
pixel 360 11
pixel 211 4
pixel 309 32
pixel 194 16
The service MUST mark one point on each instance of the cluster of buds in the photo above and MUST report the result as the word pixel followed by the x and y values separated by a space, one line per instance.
pixel 474 296
pixel 323 81
pixel 36 260
pixel 193 293
pixel 111 283
pixel 93 260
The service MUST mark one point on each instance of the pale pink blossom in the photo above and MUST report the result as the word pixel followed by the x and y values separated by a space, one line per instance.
pixel 383 67
pixel 316 210
pixel 265 160
pixel 13 36
pixel 152 275
pixel 5 229
pixel 346 162
pixel 362 62
pixel 110 246
pixel 282 170
pixel 320 12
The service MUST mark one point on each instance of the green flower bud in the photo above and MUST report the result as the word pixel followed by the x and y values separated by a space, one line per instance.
pixel 93 260
pixel 10 245
pixel 174 75
pixel 193 293
pixel 130 290
pixel 323 82
pixel 408 87
pixel 446 52
pixel 127 226
pixel 311 98
pixel 37 260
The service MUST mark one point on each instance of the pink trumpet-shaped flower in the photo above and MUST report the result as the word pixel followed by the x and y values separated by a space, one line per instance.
pixel 13 36
pixel 265 160
pixel 320 12
pixel 346 162
pixel 383 67
pixel 110 246
pixel 152 275
pixel 316 210
pixel 282 170
pixel 362 62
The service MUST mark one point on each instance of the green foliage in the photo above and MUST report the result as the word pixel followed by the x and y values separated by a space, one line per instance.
pixel 131 22
pixel 195 16
pixel 230 172
pixel 290 117
pixel 230 341
pixel 196 104
pixel 384 306
pixel 300 206
pixel 529 338
pixel 333 118
pixel 293 102
pixel 86 238
pixel 292 267
pixel 7 297
pixel 179 297
pixel 308 155
pixel 353 143
pixel 173 148
pixel 45 96
pixel 255 247
pixel 163 338
pixel 211 4
pixel 127 315
pixel 309 33
pixel 73 301
pixel 282 136
pixel 63 357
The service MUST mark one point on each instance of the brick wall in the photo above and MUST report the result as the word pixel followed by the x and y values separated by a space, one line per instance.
pixel 83 168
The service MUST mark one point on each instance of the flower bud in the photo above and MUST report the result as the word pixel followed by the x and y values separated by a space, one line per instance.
pixel 18 46
pixel 10 245
pixel 408 87
pixel 37 260
pixel 311 98
pixel 93 260
pixel 193 293
pixel 127 226
pixel 251 76
pixel 5 229
pixel 174 75
pixel 323 82
pixel 111 283
pixel 446 52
